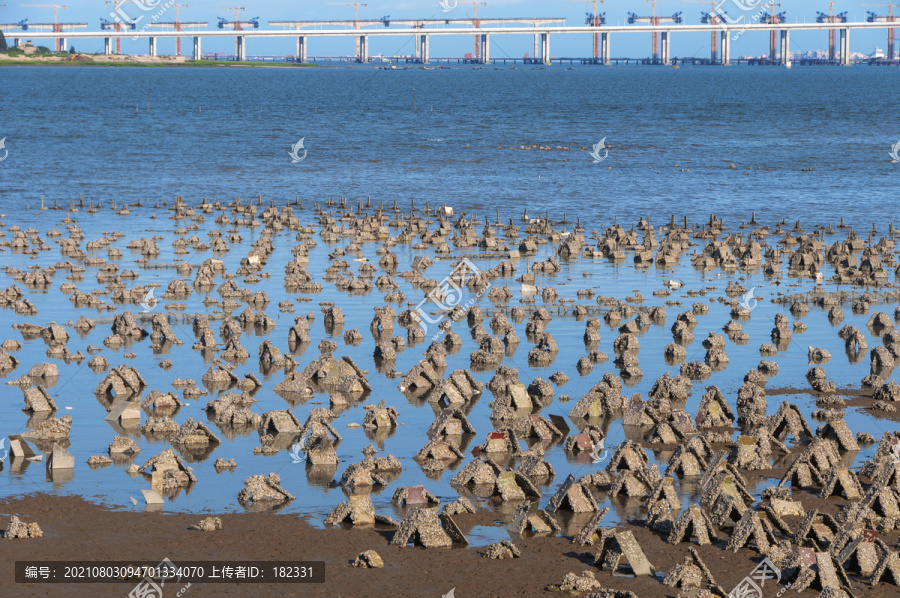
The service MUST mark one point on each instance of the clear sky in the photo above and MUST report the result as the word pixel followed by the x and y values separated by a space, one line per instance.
pixel 632 45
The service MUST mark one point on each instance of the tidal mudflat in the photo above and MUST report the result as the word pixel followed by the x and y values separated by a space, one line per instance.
pixel 647 407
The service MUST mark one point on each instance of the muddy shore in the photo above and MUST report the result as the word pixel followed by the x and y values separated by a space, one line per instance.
pixel 75 529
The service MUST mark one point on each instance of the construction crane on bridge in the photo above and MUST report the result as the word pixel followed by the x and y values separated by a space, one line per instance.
pixel 178 25
pixel 654 20
pixel 890 17
pixel 23 25
pixel 117 24
pixel 355 6
pixel 773 19
pixel 832 33
pixel 107 24
pixel 477 55
pixel 237 24
pixel 709 18
pixel 57 26
pixel 594 20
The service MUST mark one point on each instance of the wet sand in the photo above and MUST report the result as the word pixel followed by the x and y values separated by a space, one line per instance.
pixel 75 529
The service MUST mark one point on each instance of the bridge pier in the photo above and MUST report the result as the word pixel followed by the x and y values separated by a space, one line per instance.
pixel 485 48
pixel 726 48
pixel 664 47
pixel 301 48
pixel 362 49
pixel 423 49
pixel 786 48
pixel 780 51
pixel 604 45
pixel 845 47
pixel 62 44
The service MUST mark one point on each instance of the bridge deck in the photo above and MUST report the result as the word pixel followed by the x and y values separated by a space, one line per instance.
pixel 180 24
pixel 550 29
pixel 5 26
pixel 416 23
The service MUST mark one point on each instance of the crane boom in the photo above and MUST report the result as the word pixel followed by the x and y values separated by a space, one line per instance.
pixel 56 27
pixel 712 18
pixel 237 25
pixel 594 20
pixel 890 18
pixel 355 6
pixel 477 54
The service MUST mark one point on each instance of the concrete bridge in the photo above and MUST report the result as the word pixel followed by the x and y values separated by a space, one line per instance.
pixel 417 23
pixel 541 35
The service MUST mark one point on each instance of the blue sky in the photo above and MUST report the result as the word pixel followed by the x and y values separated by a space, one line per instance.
pixel 633 45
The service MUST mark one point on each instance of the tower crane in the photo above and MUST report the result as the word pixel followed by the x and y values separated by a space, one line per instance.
pixel 355 6
pixel 594 20
pixel 832 33
pixel 477 55
pixel 889 18
pixel 237 24
pixel 654 20
pixel 710 18
pixel 60 44
pixel 773 19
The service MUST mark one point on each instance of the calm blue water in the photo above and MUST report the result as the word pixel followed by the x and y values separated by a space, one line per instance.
pixel 223 132
pixel 226 133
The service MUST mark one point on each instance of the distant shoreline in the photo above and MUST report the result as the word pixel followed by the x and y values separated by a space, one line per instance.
pixel 155 62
